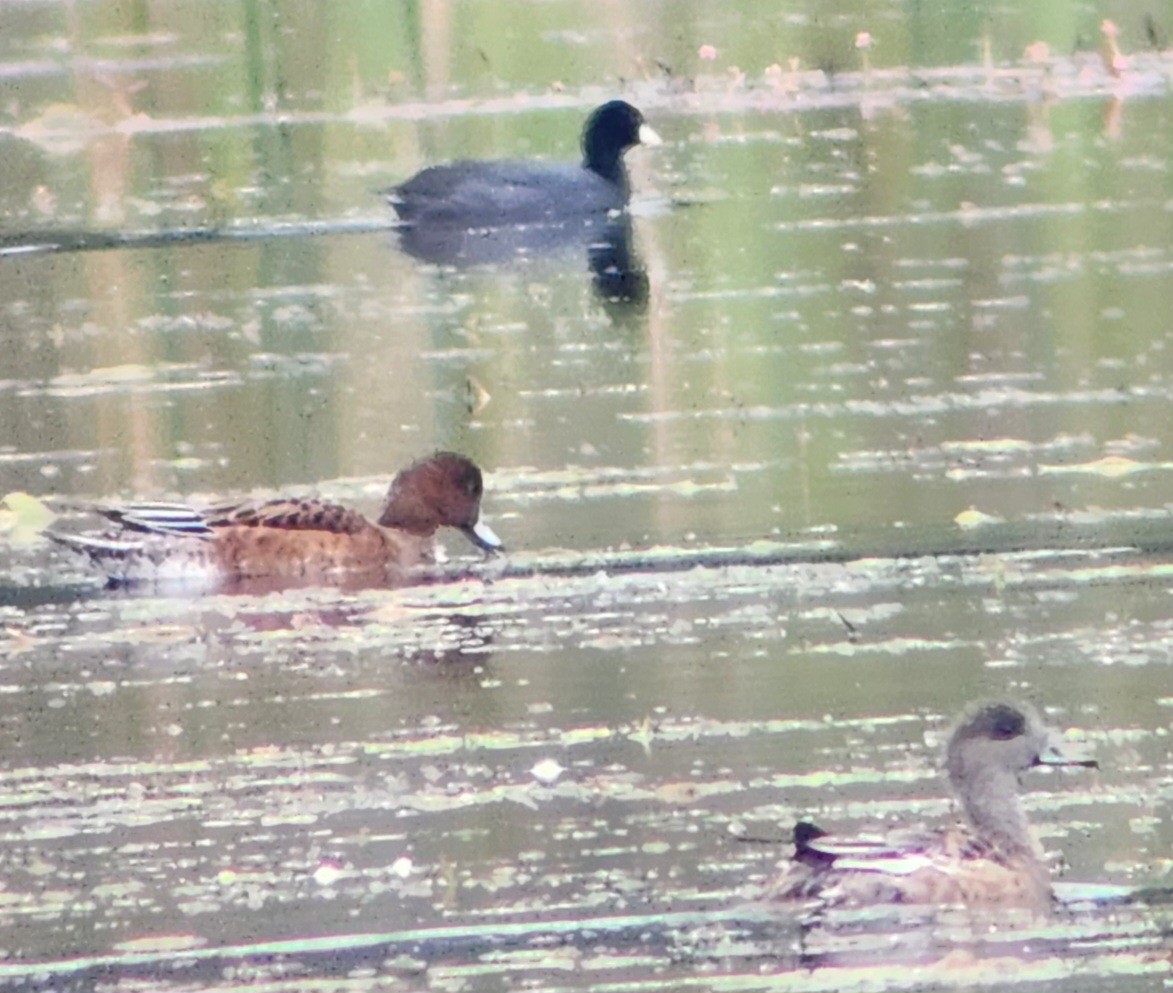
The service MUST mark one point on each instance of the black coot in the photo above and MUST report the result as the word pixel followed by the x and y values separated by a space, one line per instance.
pixel 503 192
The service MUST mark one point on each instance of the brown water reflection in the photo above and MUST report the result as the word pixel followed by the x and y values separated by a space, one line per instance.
pixel 891 393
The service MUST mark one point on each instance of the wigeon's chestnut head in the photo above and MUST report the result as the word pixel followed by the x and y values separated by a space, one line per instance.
pixel 444 490
pixel 992 859
pixel 292 540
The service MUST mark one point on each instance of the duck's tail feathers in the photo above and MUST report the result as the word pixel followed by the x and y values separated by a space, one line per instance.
pixel 806 849
pixel 407 212
pixel 100 549
pixel 804 833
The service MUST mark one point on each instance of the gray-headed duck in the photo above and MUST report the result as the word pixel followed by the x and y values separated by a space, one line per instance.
pixel 992 859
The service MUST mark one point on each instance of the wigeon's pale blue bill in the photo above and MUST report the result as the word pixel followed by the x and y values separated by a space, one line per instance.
pixel 483 536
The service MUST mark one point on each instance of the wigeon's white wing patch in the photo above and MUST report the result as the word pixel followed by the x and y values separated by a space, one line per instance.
pixel 902 853
pixel 893 865
pixel 867 846
pixel 863 846
pixel 160 518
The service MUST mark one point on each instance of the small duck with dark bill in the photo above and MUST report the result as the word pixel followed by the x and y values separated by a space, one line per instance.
pixel 497 193
pixel 296 540
pixel 992 860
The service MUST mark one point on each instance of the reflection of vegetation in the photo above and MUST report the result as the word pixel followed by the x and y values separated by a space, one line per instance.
pixel 23 517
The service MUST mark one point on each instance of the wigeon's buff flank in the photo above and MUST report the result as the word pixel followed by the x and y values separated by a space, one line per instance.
pixel 991 860
pixel 291 539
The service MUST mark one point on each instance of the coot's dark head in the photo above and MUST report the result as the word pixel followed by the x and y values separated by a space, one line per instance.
pixel 609 132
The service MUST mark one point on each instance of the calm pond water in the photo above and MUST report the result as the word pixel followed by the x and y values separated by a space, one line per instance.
pixel 870 422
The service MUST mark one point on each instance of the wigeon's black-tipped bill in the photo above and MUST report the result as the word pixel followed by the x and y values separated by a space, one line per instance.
pixel 483 536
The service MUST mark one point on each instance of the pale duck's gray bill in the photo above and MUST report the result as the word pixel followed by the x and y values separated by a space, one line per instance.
pixel 1059 750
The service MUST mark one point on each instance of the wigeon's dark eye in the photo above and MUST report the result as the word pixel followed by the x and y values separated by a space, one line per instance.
pixel 1005 723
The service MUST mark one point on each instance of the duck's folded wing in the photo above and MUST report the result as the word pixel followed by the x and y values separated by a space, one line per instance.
pixel 897 853
pixel 290 515
pixel 491 194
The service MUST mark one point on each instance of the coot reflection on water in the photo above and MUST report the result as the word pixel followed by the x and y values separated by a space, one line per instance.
pixel 486 194
pixel 617 270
